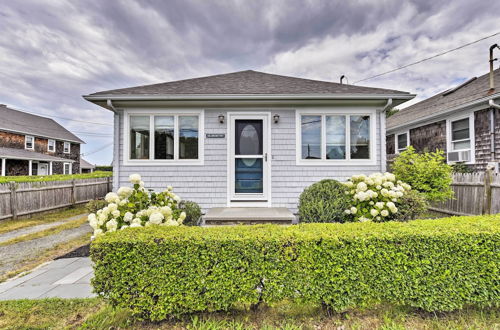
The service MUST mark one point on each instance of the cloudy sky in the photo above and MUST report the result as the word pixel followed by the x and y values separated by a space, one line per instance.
pixel 52 52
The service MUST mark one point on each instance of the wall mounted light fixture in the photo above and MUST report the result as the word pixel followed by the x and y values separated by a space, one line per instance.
pixel 276 118
pixel 221 118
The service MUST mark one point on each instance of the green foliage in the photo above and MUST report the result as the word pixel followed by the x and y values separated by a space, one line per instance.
pixel 461 168
pixel 323 201
pixel 55 177
pixel 95 205
pixel 411 206
pixel 426 172
pixel 436 265
pixel 391 112
pixel 104 168
pixel 193 212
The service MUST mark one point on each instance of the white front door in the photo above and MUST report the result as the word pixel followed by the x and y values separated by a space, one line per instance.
pixel 249 159
pixel 43 169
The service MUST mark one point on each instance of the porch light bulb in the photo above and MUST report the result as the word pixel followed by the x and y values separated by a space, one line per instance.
pixel 221 118
pixel 276 118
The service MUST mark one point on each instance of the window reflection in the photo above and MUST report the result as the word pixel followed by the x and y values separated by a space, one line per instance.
pixel 360 137
pixel 311 137
pixel 335 137
pixel 139 137
pixel 164 137
pixel 188 137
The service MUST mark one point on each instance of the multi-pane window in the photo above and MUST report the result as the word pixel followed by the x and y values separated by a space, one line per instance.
pixel 170 137
pixel 67 168
pixel 460 134
pixel 67 147
pixel 51 145
pixel 29 142
pixel 335 137
pixel 402 142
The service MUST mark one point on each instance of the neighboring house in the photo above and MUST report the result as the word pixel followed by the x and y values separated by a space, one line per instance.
pixel 36 145
pixel 86 167
pixel 246 138
pixel 464 121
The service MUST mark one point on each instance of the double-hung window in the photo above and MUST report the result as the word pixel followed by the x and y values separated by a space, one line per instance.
pixel 29 142
pixel 67 168
pixel 165 138
pixel 460 134
pixel 67 147
pixel 330 137
pixel 402 142
pixel 51 145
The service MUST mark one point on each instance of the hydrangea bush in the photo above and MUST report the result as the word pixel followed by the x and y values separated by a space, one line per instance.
pixel 137 207
pixel 374 197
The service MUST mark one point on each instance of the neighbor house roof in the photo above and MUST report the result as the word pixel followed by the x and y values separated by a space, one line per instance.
pixel 474 89
pixel 248 83
pixel 12 153
pixel 85 164
pixel 29 124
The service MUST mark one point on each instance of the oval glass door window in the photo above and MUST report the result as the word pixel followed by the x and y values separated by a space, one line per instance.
pixel 248 137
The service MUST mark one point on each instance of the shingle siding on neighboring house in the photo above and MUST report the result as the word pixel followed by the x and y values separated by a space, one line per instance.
pixel 207 184
pixel 483 137
pixel 429 137
pixel 11 140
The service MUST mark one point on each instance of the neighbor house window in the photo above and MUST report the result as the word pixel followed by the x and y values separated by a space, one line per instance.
pixel 29 142
pixel 460 134
pixel 51 145
pixel 67 168
pixel 402 142
pixel 67 147
pixel 333 137
pixel 170 137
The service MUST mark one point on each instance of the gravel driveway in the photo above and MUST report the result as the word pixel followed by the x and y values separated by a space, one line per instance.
pixel 12 256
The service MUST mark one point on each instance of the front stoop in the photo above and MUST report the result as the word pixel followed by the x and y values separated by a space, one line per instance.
pixel 248 216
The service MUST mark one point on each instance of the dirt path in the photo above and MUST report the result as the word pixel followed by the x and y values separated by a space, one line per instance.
pixel 34 229
pixel 13 256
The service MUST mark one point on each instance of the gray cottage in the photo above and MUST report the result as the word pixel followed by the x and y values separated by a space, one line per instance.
pixel 463 121
pixel 247 139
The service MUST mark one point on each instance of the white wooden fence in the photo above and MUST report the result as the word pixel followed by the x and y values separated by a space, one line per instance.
pixel 475 193
pixel 20 199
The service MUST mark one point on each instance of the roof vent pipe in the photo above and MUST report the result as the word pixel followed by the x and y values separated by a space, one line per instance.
pixel 342 78
pixel 492 82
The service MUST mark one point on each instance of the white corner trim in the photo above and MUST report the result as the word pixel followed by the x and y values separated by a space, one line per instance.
pixel 341 111
pixel 163 112
pixel 472 136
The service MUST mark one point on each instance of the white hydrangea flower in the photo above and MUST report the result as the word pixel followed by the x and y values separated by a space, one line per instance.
pixel 390 205
pixel 112 207
pixel 128 217
pixel 166 210
pixel 123 227
pixel 379 205
pixel 141 184
pixel 111 225
pixel 111 197
pixel 170 188
pixel 374 212
pixel 361 187
pixel 354 210
pixel 93 222
pixel 135 178
pixel 156 218
pixel 98 232
pixel 349 184
pixel 102 218
pixel 135 225
pixel 115 213
pixel 347 211
pixel 136 221
pixel 124 192
pixel 182 216
pixel 384 213
pixel 363 219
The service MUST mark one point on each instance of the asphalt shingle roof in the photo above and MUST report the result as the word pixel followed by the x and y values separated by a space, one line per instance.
pixel 27 154
pixel 85 164
pixel 443 102
pixel 27 123
pixel 249 82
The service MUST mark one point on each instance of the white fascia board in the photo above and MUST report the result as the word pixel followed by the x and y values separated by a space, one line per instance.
pixel 60 160
pixel 472 106
pixel 39 136
pixel 248 97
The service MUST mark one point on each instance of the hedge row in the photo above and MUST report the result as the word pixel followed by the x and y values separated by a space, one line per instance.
pixel 436 265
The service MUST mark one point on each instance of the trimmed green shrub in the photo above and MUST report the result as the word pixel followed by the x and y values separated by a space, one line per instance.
pixel 426 172
pixel 193 212
pixel 436 265
pixel 323 201
pixel 411 206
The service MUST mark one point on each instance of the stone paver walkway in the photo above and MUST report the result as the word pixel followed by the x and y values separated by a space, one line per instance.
pixel 62 278
pixel 34 229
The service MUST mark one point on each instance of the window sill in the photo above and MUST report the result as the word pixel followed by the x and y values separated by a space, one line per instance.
pixel 334 162
pixel 148 162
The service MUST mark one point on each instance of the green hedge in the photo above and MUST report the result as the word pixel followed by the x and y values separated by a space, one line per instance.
pixel 435 265
pixel 55 177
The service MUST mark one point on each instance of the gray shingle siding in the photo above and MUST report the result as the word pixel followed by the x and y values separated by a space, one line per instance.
pixel 207 184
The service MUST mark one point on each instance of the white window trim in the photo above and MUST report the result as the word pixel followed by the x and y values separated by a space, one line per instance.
pixel 396 147
pixel 160 112
pixel 26 142
pixel 64 168
pixel 69 147
pixel 341 112
pixel 48 145
pixel 472 136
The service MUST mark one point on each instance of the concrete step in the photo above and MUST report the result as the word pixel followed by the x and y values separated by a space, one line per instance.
pixel 248 216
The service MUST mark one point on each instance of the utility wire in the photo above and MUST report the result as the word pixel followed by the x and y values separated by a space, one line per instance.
pixel 97 150
pixel 65 118
pixel 428 58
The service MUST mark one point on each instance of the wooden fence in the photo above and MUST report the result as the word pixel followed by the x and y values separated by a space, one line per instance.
pixel 475 193
pixel 20 199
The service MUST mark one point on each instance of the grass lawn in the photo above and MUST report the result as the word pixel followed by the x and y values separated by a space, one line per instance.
pixel 95 314
pixel 9 225
pixel 56 177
